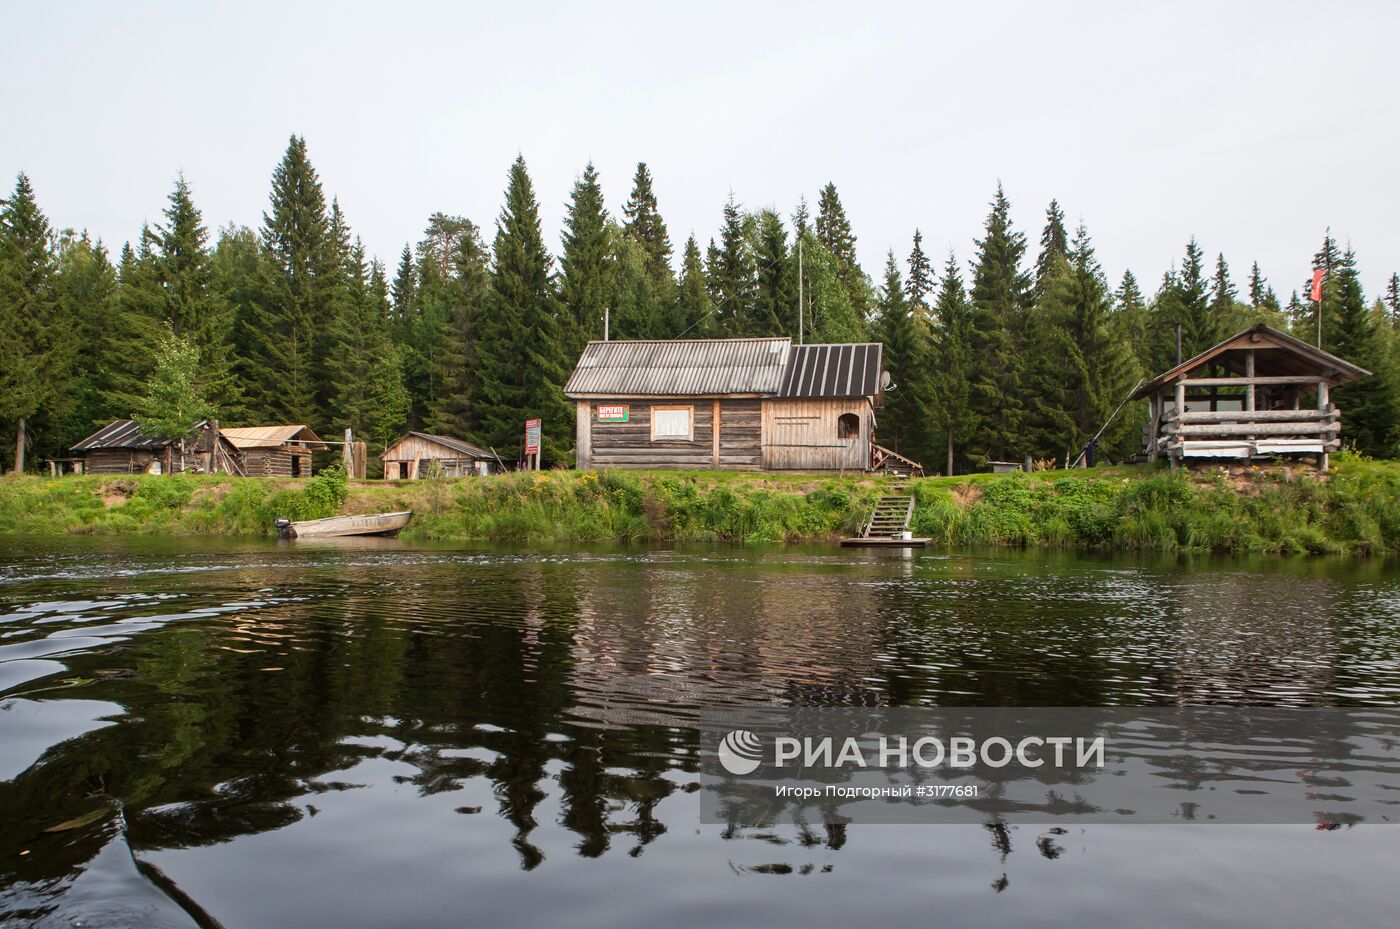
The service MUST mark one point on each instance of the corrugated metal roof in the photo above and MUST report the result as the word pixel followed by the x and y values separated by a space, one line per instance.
pixel 272 436
pixel 681 367
pixel 457 445
pixel 850 370
pixel 123 433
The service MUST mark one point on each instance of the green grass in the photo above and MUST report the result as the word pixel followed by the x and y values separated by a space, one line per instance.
pixel 1355 509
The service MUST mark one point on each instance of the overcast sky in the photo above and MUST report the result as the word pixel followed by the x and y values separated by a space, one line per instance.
pixel 1251 126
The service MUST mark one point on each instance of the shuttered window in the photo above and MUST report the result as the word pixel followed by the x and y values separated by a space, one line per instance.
pixel 671 422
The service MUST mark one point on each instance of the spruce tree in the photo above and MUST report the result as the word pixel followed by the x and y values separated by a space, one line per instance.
pixel 1222 294
pixel 953 412
pixel 1392 299
pixel 1184 301
pixel 919 285
pixel 402 294
pixel 1130 309
pixel 1000 296
pixel 638 310
pixel 118 347
pixel 587 265
pixel 192 304
pixel 694 312
pixel 37 349
pixel 1351 331
pixel 1081 368
pixel 1054 243
pixel 1256 286
pixel 644 225
pixel 299 286
pixel 365 367
pixel 903 424
pixel 733 274
pixel 519 358
pixel 834 232
pixel 774 308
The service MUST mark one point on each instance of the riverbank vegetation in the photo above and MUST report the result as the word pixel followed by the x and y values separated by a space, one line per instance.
pixel 1001 351
pixel 1355 509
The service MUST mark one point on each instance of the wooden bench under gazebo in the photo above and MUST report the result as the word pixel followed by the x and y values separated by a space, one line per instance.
pixel 1258 394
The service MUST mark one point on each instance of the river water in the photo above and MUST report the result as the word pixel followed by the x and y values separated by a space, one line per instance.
pixel 384 733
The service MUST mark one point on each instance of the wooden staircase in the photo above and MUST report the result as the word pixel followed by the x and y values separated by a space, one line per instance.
pixel 892 512
pixel 889 462
pixel 890 519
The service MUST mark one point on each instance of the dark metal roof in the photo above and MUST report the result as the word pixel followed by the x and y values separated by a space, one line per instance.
pixel 457 445
pixel 680 367
pixel 124 433
pixel 1303 359
pixel 851 370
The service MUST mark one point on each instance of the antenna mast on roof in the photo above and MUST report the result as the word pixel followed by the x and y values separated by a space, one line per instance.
pixel 605 322
pixel 799 288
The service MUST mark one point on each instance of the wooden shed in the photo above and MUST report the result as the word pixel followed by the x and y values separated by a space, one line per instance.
pixel 419 454
pixel 1260 393
pixel 275 451
pixel 746 404
pixel 121 447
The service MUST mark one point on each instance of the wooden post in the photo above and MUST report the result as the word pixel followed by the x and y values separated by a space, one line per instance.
pixel 950 453
pixel 583 455
pixel 1322 401
pixel 714 434
pixel 19 446
pixel 347 455
pixel 1249 372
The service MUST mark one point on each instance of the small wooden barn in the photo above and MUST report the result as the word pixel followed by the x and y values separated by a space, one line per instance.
pixel 419 454
pixel 1258 394
pixel 745 404
pixel 275 451
pixel 121 447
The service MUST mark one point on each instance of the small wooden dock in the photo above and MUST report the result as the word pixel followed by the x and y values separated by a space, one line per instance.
pixel 889 520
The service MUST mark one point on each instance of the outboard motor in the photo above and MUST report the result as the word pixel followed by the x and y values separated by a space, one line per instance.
pixel 284 528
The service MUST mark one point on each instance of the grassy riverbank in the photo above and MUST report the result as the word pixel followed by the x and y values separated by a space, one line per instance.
pixel 1354 509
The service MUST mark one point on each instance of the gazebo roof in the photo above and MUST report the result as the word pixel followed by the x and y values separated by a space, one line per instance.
pixel 1283 355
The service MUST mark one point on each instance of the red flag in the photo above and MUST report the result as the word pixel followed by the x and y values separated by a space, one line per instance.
pixel 1318 275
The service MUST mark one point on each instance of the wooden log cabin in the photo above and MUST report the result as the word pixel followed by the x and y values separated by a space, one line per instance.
pixel 121 447
pixel 741 404
pixel 275 451
pixel 1258 394
pixel 420 454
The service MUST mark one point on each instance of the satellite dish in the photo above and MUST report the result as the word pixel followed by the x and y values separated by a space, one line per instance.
pixel 886 382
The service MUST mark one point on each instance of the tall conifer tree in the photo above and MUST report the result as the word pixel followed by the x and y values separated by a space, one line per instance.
pixel 37 349
pixel 774 308
pixel 905 356
pixel 919 285
pixel 1000 296
pixel 955 414
pixel 834 232
pixel 519 357
pixel 1054 243
pixel 299 288
pixel 587 265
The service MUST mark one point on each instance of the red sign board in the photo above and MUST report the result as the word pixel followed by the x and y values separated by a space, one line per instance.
pixel 532 436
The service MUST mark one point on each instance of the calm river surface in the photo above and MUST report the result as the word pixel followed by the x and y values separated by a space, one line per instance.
pixel 389 734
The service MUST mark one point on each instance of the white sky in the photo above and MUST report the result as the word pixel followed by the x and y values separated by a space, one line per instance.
pixel 1253 126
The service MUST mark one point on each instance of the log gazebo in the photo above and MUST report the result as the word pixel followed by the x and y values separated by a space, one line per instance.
pixel 1258 394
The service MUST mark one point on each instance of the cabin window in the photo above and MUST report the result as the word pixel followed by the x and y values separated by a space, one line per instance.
pixel 848 426
pixel 671 422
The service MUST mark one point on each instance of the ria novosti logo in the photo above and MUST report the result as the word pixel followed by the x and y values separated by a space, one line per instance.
pixel 740 752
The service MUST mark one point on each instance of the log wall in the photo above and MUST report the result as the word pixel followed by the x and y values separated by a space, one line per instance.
pixel 735 446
